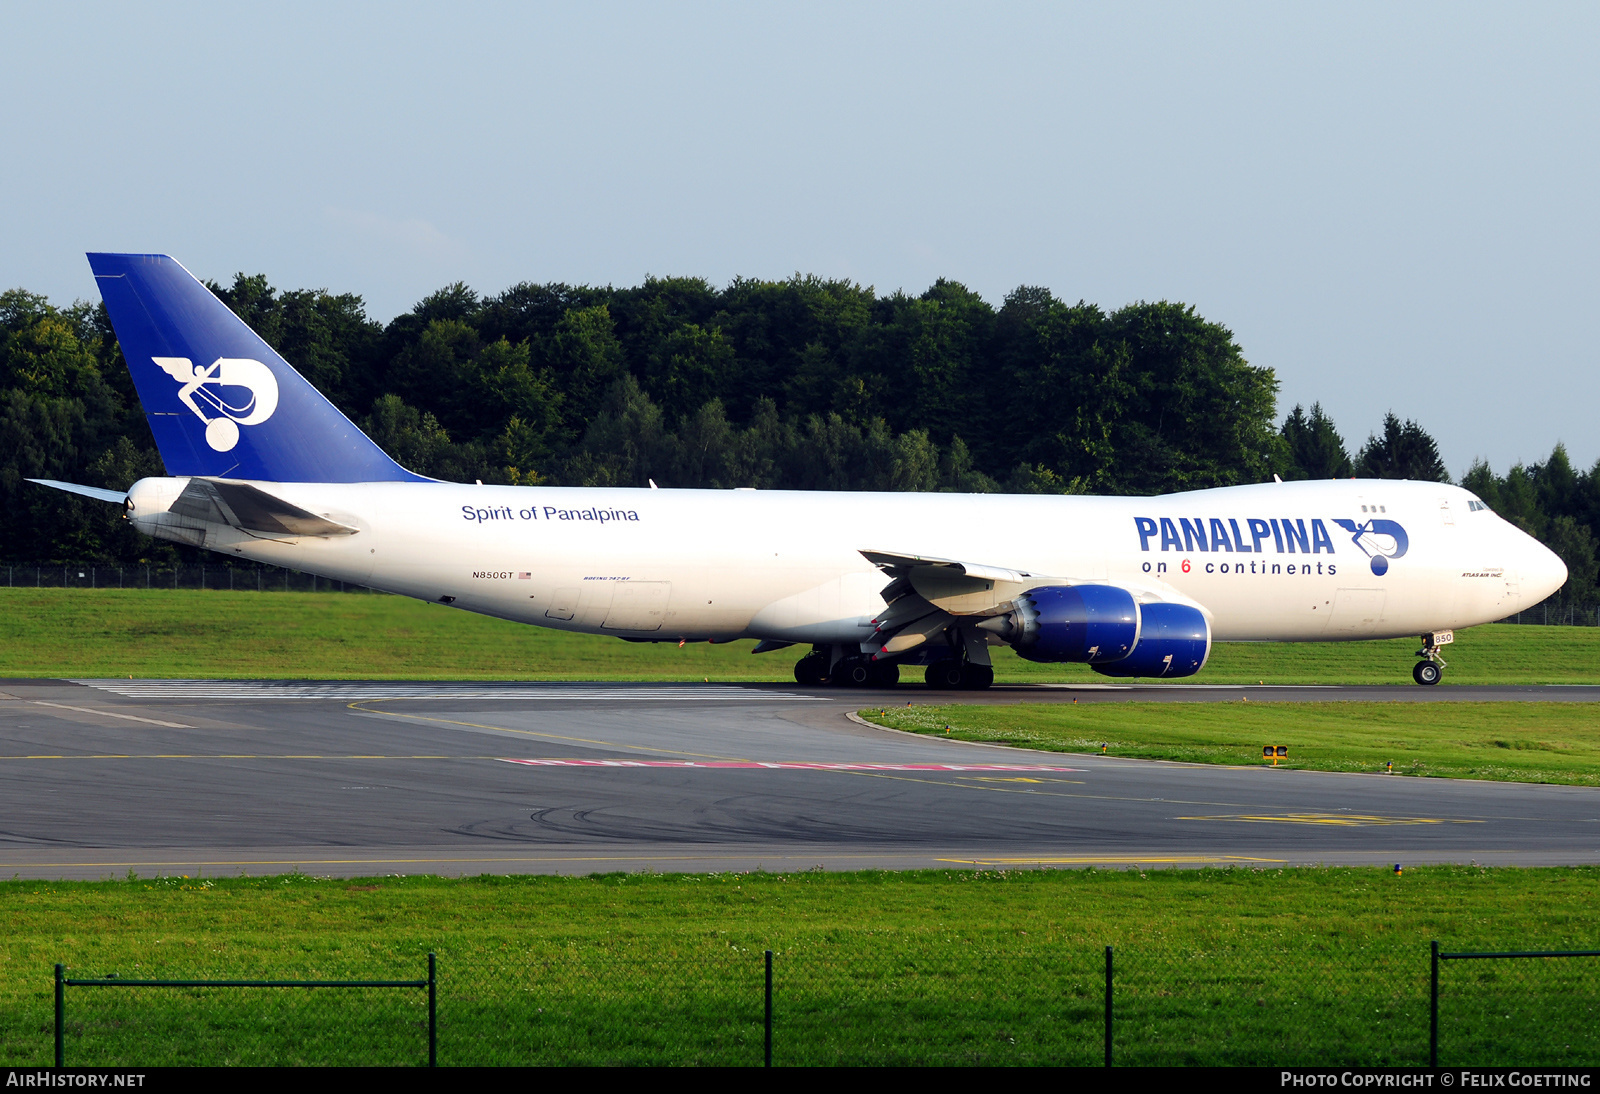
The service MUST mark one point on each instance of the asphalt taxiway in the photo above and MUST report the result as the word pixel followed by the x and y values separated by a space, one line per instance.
pixel 98 778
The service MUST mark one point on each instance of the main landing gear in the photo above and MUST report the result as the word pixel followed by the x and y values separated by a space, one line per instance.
pixel 812 669
pixel 861 671
pixel 855 671
pixel 1430 670
pixel 953 675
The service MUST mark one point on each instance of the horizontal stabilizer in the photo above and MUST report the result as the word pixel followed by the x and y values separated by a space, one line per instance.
pixel 115 497
pixel 251 509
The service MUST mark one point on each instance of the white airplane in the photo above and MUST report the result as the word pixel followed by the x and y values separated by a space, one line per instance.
pixel 265 468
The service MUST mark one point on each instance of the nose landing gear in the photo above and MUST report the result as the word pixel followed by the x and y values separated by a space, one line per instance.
pixel 1431 668
pixel 1426 672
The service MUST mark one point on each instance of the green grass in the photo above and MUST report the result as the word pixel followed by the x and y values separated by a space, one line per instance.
pixel 1311 966
pixel 1523 742
pixel 181 633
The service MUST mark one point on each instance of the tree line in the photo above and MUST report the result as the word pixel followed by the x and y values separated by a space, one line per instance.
pixel 800 384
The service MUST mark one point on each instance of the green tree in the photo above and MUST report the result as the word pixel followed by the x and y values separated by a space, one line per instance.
pixel 1315 449
pixel 627 443
pixel 586 359
pixel 1403 451
pixel 689 366
pixel 327 338
pixel 416 440
pixel 1575 544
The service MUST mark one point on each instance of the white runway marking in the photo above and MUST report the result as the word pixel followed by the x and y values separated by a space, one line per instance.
pixel 255 690
pixel 791 765
pixel 112 714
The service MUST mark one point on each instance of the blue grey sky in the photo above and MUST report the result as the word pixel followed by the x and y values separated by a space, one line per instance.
pixel 1392 206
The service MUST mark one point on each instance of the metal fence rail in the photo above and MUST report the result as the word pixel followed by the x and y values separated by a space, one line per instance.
pixel 199 1019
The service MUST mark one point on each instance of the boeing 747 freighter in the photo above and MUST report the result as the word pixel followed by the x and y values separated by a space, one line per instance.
pixel 263 467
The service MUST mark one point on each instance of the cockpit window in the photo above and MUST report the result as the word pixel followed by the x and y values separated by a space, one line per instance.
pixel 1475 506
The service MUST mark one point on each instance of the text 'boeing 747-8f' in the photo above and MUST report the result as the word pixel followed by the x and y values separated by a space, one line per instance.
pixel 263 467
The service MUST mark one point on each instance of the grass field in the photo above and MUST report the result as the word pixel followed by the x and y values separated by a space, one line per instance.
pixel 1311 966
pixel 1522 742
pixel 184 633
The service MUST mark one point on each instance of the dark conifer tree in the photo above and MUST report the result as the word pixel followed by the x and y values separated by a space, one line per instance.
pixel 1404 451
pixel 1316 451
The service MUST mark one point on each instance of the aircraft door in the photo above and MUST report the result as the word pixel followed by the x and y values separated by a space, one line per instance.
pixel 1356 611
pixel 638 606
pixel 564 605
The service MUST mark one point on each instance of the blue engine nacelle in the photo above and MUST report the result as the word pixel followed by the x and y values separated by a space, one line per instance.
pixel 1104 627
pixel 1174 640
pixel 1085 623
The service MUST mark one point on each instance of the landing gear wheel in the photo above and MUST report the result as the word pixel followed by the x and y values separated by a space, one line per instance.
pixel 811 669
pixel 976 677
pixel 852 672
pixel 1426 672
pixel 885 674
pixel 944 675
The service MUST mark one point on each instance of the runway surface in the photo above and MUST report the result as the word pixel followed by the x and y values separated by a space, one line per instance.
pixel 221 777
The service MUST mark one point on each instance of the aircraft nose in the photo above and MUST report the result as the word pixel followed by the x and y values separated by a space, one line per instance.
pixel 1543 572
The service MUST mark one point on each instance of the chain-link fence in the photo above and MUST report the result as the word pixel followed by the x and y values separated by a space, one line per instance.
pixel 1528 1008
pixel 1334 1005
pixel 244 577
pixel 870 1000
pixel 1559 611
pixel 238 1022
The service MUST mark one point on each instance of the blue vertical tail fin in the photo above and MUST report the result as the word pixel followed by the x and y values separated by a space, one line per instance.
pixel 220 401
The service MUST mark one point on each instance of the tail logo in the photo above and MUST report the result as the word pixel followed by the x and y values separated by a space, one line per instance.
pixel 219 387
pixel 1379 540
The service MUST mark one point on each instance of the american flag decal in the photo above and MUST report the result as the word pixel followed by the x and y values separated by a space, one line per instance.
pixel 523 577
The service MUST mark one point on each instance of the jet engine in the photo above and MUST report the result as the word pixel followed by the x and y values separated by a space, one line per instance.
pixel 1105 627
pixel 1174 640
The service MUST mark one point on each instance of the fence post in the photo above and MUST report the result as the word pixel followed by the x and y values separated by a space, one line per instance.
pixel 61 1019
pixel 433 1012
pixel 769 1010
pixel 1108 1006
pixel 1433 1011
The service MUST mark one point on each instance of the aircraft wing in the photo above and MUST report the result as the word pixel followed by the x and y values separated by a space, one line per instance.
pixel 959 588
pixel 928 594
pixel 894 563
